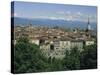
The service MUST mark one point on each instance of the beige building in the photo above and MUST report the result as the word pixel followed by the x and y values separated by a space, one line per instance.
pixel 76 43
pixel 35 41
pixel 89 42
pixel 57 48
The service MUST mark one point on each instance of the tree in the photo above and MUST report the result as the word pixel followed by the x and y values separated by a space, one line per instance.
pixel 27 57
pixel 71 59
pixel 89 57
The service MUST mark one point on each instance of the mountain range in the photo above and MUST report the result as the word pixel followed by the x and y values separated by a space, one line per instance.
pixel 50 22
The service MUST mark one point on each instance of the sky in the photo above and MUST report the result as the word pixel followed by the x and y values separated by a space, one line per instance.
pixel 67 12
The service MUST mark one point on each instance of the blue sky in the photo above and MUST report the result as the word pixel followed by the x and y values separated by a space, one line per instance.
pixel 54 11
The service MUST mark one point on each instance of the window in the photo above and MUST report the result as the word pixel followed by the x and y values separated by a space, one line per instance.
pixel 57 48
pixel 51 47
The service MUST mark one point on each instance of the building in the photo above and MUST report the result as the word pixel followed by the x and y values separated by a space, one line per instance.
pixel 89 42
pixel 35 41
pixel 54 42
pixel 77 43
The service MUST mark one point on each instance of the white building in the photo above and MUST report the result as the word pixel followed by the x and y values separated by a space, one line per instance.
pixel 89 42
pixel 76 43
pixel 35 41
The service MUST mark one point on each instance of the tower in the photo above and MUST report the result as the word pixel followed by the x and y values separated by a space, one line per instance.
pixel 88 30
pixel 88 25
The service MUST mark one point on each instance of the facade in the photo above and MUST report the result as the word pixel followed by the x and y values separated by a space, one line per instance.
pixel 77 43
pixel 89 42
pixel 57 48
pixel 35 41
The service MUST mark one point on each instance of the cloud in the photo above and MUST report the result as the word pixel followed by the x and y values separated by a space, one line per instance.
pixel 66 15
pixel 62 15
pixel 14 15
pixel 60 12
pixel 78 16
pixel 68 12
pixel 69 16
pixel 92 18
pixel 50 17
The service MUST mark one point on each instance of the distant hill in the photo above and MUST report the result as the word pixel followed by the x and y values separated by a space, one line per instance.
pixel 49 22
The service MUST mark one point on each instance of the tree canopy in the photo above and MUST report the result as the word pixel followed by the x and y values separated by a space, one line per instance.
pixel 28 58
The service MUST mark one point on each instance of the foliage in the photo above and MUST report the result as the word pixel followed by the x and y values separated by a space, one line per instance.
pixel 71 60
pixel 28 58
pixel 89 57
